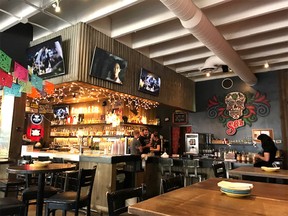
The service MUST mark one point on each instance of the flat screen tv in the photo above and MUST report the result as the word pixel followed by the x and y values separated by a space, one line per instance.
pixel 107 66
pixel 61 111
pixel 46 59
pixel 149 82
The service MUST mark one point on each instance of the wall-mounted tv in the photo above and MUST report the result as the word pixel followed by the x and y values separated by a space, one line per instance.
pixel 46 59
pixel 108 66
pixel 149 82
pixel 61 111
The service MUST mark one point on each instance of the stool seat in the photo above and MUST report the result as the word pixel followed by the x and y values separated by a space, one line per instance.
pixel 11 206
pixel 31 192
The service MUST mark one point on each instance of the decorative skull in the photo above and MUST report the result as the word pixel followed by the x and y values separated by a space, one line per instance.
pixel 235 102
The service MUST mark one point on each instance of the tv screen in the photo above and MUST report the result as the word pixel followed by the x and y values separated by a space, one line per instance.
pixel 149 82
pixel 46 59
pixel 108 66
pixel 61 112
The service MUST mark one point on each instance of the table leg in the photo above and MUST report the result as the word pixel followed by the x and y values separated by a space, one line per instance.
pixel 40 194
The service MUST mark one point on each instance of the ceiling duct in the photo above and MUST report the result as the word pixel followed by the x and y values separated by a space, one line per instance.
pixel 211 64
pixel 200 26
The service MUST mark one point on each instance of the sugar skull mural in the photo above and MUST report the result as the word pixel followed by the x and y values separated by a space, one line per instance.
pixel 235 102
pixel 236 109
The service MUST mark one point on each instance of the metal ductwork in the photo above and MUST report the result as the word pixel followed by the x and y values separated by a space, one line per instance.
pixel 200 26
pixel 212 63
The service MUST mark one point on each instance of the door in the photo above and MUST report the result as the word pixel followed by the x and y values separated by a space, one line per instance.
pixel 178 138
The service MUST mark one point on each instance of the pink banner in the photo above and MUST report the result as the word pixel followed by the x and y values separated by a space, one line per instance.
pixel 20 72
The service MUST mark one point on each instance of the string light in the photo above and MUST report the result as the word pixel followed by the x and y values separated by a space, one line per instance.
pixel 77 92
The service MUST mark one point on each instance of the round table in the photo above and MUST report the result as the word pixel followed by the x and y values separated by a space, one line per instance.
pixel 31 169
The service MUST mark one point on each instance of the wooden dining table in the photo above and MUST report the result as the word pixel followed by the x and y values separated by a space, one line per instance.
pixel 258 172
pixel 40 171
pixel 205 198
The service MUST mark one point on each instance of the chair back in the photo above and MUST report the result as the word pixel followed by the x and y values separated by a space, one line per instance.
pixel 166 165
pixel 116 200
pixel 57 160
pixel 85 184
pixel 219 170
pixel 172 183
pixel 27 158
pixel 43 158
pixel 191 167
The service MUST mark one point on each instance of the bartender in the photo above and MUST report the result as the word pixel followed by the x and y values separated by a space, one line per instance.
pixel 155 144
pixel 145 140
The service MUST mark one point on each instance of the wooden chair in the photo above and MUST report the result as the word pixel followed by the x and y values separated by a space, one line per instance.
pixel 219 170
pixel 13 184
pixel 71 200
pixel 11 206
pixel 43 158
pixel 116 199
pixel 172 183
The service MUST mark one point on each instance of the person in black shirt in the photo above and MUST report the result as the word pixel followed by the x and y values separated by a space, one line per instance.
pixel 155 144
pixel 145 141
pixel 269 152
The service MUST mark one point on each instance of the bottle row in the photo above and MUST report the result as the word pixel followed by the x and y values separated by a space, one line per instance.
pixel 81 131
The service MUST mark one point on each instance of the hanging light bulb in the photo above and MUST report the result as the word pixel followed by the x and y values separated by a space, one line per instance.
pixel 266 65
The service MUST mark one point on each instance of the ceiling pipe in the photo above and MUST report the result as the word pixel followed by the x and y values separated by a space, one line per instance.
pixel 211 63
pixel 200 26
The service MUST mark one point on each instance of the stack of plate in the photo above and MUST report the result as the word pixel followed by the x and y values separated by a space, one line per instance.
pixel 41 163
pixel 270 169
pixel 235 189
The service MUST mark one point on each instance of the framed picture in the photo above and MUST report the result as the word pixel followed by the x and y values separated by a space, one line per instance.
pixel 257 132
pixel 180 118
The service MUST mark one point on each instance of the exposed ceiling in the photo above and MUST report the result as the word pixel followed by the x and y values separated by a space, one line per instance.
pixel 257 30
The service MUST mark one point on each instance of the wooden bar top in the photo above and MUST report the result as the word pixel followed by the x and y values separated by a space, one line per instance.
pixel 256 171
pixel 202 199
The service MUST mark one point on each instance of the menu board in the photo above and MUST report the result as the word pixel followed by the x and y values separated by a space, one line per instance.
pixel 180 118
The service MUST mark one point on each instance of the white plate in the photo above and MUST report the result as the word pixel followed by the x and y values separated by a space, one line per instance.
pixel 235 185
pixel 41 163
pixel 235 195
pixel 270 169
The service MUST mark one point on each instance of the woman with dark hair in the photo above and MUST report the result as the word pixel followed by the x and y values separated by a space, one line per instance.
pixel 269 151
pixel 113 74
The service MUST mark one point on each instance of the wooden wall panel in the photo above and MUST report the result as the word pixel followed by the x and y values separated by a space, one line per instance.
pixel 79 43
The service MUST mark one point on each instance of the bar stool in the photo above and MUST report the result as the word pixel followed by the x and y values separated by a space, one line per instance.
pixel 166 165
pixel 191 170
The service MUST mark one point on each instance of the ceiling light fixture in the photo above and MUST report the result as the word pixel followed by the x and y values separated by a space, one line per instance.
pixel 208 74
pixel 266 65
pixel 56 6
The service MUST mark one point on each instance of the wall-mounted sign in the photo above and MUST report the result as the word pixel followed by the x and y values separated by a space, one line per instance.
pixel 238 109
pixel 35 132
pixel 36 119
pixel 180 118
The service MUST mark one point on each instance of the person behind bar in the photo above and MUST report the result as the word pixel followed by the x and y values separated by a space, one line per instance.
pixel 145 141
pixel 136 147
pixel 155 143
pixel 267 157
